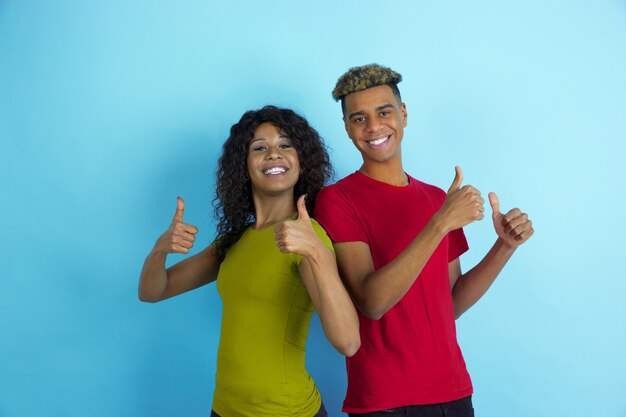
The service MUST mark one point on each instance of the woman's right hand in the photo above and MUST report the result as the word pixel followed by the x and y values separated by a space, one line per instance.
pixel 157 283
pixel 179 237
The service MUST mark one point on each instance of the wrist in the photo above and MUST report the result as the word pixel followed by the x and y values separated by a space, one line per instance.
pixel 439 224
pixel 158 254
pixel 502 245
pixel 317 253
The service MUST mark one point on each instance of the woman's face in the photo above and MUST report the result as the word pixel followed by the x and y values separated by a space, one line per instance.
pixel 273 163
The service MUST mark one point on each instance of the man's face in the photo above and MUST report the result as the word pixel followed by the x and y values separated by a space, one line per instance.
pixel 375 121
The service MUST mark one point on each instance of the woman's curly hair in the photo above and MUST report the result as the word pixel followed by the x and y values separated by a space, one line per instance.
pixel 234 208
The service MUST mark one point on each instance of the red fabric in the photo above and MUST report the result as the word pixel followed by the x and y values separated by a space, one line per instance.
pixel 410 356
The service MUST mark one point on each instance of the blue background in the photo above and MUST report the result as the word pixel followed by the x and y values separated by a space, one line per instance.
pixel 109 110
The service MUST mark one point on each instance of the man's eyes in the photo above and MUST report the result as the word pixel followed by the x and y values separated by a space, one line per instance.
pixel 361 119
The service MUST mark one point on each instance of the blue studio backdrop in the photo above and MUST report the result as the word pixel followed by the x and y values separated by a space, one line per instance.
pixel 109 110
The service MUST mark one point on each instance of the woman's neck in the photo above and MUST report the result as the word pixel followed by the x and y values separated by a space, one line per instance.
pixel 270 209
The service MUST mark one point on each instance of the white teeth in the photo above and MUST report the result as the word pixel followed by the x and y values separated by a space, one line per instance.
pixel 378 141
pixel 275 170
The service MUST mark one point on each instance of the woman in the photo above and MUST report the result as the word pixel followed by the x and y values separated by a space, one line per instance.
pixel 273 265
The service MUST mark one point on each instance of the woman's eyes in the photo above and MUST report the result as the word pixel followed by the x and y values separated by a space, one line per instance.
pixel 261 148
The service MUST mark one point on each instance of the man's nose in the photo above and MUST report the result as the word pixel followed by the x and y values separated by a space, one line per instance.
pixel 373 124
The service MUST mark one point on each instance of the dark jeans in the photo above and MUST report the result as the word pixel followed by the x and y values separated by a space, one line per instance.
pixel 320 413
pixel 457 408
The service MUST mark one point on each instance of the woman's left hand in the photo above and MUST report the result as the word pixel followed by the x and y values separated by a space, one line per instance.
pixel 297 236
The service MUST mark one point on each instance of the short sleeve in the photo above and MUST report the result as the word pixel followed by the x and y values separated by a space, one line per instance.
pixel 335 212
pixel 457 244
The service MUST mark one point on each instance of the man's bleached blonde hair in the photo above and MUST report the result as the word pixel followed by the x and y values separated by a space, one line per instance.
pixel 364 77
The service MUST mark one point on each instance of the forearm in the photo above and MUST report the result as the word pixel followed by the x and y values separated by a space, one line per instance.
pixel 334 306
pixel 472 285
pixel 383 288
pixel 153 278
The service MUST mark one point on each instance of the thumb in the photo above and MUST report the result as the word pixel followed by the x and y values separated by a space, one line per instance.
pixel 180 208
pixel 495 204
pixel 302 213
pixel 458 179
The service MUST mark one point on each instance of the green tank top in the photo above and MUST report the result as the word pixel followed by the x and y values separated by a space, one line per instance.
pixel 265 323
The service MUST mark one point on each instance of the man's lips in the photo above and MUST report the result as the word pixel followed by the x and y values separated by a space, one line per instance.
pixel 378 141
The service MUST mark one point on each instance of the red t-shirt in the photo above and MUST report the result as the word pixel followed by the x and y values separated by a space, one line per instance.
pixel 410 356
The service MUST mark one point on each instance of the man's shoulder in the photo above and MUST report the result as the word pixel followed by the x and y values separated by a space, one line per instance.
pixel 335 199
pixel 426 187
pixel 340 187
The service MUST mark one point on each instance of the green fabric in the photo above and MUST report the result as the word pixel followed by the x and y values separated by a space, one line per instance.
pixel 265 323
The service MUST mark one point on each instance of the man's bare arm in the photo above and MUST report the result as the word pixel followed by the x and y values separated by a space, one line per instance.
pixel 375 292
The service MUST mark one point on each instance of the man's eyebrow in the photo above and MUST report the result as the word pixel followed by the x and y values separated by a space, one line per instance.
pixel 384 106
pixel 356 113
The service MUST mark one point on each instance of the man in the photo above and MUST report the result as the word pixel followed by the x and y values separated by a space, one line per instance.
pixel 398 242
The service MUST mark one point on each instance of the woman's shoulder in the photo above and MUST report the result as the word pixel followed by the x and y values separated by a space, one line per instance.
pixel 321 233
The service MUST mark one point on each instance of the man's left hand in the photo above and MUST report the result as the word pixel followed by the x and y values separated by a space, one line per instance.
pixel 514 227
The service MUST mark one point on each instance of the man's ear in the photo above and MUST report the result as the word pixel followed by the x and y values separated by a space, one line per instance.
pixel 404 114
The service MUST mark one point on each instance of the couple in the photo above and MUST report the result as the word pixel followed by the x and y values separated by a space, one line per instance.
pixel 396 244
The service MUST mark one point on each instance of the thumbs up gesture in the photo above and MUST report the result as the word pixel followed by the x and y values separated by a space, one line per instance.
pixel 463 204
pixel 514 227
pixel 179 237
pixel 297 236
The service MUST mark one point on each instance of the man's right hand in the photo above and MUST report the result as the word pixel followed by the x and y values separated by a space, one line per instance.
pixel 463 205
pixel 179 237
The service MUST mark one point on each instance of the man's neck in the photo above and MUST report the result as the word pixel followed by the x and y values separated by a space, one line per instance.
pixel 388 172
